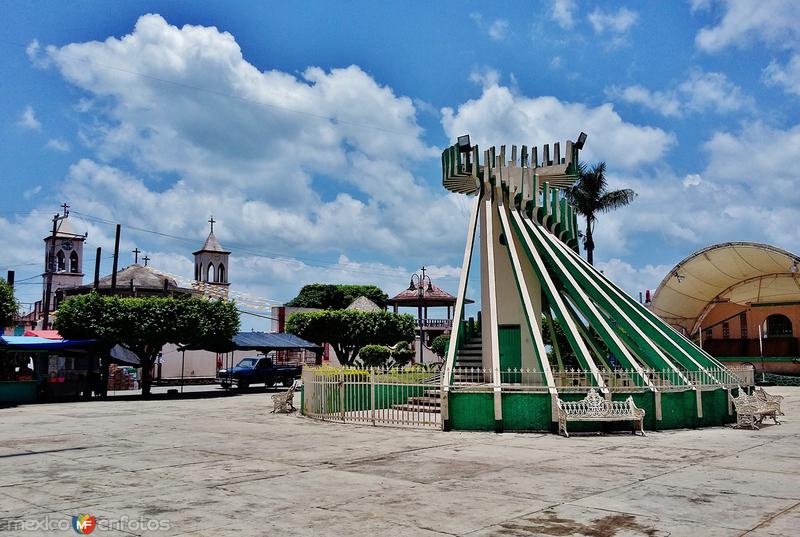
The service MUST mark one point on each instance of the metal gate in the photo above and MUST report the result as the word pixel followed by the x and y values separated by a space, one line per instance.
pixel 409 397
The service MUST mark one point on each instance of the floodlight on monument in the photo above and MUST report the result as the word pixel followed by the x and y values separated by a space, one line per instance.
pixel 581 140
pixel 465 147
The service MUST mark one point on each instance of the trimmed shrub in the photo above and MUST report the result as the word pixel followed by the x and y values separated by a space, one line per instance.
pixel 374 355
pixel 439 345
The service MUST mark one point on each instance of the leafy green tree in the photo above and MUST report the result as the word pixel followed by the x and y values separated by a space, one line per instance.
pixel 374 355
pixel 590 196
pixel 8 304
pixel 145 325
pixel 440 344
pixel 349 330
pixel 336 297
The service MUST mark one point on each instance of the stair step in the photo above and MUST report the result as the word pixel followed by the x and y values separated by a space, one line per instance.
pixel 434 393
pixel 425 401
pixel 418 408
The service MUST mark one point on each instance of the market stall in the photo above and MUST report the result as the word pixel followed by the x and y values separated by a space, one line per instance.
pixel 35 368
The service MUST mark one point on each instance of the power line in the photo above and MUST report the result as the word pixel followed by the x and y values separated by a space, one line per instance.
pixel 269 255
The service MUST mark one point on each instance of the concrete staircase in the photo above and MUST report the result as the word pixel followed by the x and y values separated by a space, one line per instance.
pixel 429 401
pixel 469 356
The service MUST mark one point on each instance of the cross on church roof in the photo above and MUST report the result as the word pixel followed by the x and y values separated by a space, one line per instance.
pixel 146 259
pixel 211 221
pixel 136 252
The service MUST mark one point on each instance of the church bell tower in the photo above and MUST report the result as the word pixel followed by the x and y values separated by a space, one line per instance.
pixel 211 266
pixel 66 262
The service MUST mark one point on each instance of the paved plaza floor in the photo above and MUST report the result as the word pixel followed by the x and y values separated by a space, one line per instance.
pixel 226 466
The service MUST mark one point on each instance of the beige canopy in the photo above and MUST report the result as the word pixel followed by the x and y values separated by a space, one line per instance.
pixel 739 272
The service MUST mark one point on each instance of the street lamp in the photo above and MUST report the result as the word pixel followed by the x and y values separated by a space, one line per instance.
pixel 419 284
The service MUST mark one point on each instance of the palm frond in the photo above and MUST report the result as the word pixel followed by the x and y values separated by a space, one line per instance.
pixel 615 199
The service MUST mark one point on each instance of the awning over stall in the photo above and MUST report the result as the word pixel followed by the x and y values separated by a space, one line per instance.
pixel 262 342
pixel 32 343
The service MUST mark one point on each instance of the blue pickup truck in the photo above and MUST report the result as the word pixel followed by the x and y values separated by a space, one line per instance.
pixel 258 370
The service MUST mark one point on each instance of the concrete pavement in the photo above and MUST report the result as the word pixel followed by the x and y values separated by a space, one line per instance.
pixel 226 466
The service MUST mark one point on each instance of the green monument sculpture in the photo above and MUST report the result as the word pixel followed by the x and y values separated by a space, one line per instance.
pixel 499 373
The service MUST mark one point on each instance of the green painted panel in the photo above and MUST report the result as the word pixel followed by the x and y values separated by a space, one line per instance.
pixel 23 391
pixel 510 346
pixel 527 412
pixel 715 408
pixel 644 400
pixel 472 411
pixel 678 410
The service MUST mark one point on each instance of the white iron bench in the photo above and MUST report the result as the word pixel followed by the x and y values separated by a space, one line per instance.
pixel 594 407
pixel 283 403
pixel 752 409
pixel 771 401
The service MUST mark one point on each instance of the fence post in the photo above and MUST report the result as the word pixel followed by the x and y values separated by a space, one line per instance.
pixel 341 395
pixel 372 394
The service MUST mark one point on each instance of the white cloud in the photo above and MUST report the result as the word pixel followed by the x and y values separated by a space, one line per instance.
pixel 485 77
pixel 34 53
pixel 665 103
pixel 27 119
pixel 713 91
pixel 563 12
pixel 497 29
pixel 745 22
pixel 57 144
pixel 616 24
pixel 786 76
pixel 314 165
pixel 632 279
pixel 500 116
pixel 700 92
pixel 692 180
pixel 747 191
pixel 253 140
pixel 28 194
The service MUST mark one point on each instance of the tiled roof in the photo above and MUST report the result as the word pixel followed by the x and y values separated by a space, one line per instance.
pixel 212 245
pixel 433 296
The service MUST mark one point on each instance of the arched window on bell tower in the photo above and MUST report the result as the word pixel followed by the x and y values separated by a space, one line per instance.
pixel 73 262
pixel 61 262
pixel 221 277
pixel 210 273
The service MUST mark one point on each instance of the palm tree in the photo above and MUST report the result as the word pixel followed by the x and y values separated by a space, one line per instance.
pixel 590 197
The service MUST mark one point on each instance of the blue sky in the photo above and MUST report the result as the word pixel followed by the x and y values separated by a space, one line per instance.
pixel 312 133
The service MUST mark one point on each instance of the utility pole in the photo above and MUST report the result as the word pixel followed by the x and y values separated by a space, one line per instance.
pixel 97 268
pixel 116 261
pixel 51 260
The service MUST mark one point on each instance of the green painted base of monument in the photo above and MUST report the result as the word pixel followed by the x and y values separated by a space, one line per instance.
pixel 474 411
